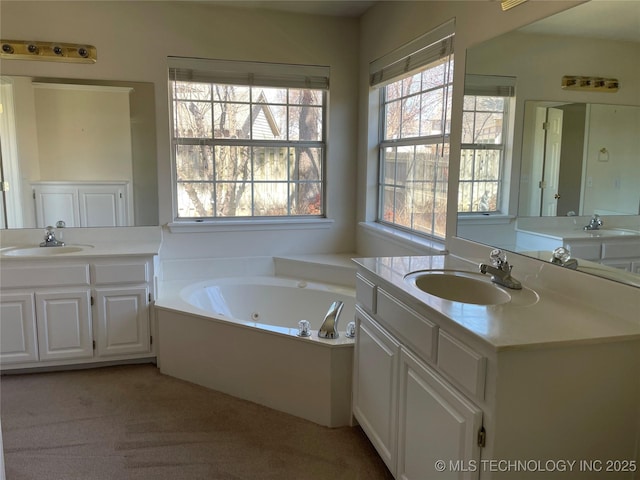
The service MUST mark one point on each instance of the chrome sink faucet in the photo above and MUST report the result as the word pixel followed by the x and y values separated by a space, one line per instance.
pixel 500 270
pixel 50 239
pixel 595 223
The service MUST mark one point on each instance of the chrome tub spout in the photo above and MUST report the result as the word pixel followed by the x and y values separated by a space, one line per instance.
pixel 329 328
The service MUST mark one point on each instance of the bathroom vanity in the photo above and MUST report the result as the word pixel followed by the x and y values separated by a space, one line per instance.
pixel 77 304
pixel 448 389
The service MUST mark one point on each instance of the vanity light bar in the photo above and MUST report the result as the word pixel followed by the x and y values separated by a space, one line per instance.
pixel 507 4
pixel 593 84
pixel 55 52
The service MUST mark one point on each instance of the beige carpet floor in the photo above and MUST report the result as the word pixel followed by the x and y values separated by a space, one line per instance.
pixel 132 422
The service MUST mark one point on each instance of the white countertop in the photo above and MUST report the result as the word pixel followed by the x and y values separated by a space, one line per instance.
pixel 93 242
pixel 555 319
pixel 578 233
pixel 95 249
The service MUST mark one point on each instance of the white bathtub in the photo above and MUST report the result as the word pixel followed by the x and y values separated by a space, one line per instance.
pixel 270 303
pixel 239 335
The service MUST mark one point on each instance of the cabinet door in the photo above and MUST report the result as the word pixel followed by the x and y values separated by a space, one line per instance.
pixel 56 202
pixel 102 206
pixel 64 325
pixel 123 321
pixel 436 422
pixel 17 329
pixel 375 386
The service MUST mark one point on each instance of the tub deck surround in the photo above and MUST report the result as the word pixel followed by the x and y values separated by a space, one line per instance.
pixel 601 313
pixel 337 269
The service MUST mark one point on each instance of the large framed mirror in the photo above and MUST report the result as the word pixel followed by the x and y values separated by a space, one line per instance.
pixel 539 160
pixel 78 151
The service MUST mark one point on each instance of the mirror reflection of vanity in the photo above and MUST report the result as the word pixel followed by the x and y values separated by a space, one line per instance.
pixel 570 154
pixel 79 151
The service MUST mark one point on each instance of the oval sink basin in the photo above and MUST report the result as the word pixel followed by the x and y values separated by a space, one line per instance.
pixel 458 286
pixel 37 251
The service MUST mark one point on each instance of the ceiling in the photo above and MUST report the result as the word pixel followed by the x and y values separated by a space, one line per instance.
pixel 596 18
pixel 610 19
pixel 336 8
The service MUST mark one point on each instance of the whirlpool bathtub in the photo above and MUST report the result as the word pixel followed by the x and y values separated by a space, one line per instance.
pixel 240 336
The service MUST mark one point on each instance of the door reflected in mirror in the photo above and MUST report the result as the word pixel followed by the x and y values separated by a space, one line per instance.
pixel 78 151
pixel 579 159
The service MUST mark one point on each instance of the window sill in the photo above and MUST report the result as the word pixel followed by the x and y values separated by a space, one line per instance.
pixel 405 239
pixel 192 226
pixel 482 219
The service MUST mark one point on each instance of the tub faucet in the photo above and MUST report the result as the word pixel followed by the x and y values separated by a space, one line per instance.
pixel 50 239
pixel 329 328
pixel 595 223
pixel 500 270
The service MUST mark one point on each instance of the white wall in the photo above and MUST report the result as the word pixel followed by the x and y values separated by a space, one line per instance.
pixel 83 133
pixel 133 40
pixel 613 178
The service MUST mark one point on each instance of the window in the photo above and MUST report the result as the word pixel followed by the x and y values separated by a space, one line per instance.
pixel 484 133
pixel 415 111
pixel 248 139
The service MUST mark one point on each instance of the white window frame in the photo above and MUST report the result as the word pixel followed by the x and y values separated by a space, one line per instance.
pixel 416 56
pixel 491 86
pixel 250 74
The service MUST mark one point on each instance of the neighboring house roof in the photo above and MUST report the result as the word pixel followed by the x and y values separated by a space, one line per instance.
pixel 264 123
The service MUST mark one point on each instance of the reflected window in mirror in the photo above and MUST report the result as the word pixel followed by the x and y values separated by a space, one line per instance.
pixel 485 133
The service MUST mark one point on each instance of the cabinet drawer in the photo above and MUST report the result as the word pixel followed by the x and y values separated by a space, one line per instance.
pixel 365 293
pixel 121 272
pixel 59 275
pixel 415 330
pixel 586 251
pixel 629 249
pixel 462 364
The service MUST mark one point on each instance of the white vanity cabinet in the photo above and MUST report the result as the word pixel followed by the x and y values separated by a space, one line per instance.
pixel 622 254
pixel 61 312
pixel 82 204
pixel 437 400
pixel 410 412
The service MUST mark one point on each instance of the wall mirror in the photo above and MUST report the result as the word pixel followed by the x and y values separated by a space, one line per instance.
pixel 565 155
pixel 80 151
